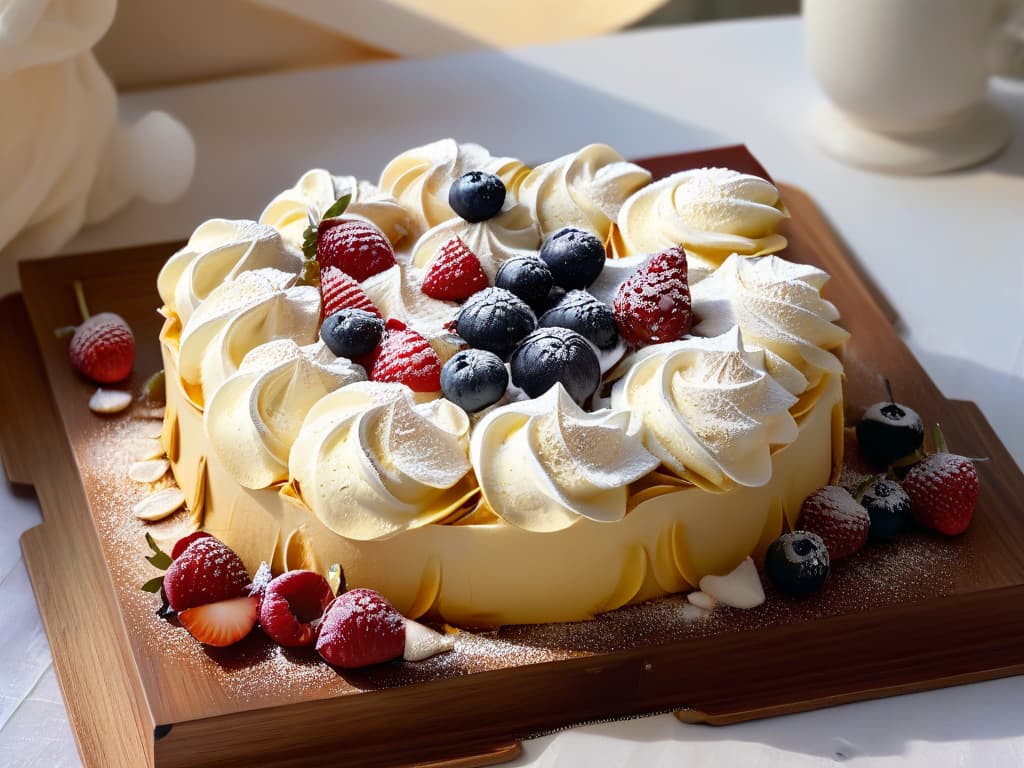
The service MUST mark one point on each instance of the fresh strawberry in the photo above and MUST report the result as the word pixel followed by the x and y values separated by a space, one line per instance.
pixel 222 623
pixel 357 248
pixel 361 628
pixel 340 291
pixel 406 357
pixel 103 348
pixel 837 517
pixel 206 571
pixel 943 490
pixel 653 304
pixel 455 273
pixel 182 544
pixel 292 606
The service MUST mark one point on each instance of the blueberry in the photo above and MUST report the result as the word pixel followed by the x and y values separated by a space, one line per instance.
pixel 474 379
pixel 797 563
pixel 476 196
pixel 889 507
pixel 887 432
pixel 556 355
pixel 352 333
pixel 575 257
pixel 495 319
pixel 527 277
pixel 579 311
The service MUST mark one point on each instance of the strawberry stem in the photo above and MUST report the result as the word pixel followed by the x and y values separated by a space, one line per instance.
pixel 80 297
pixel 940 440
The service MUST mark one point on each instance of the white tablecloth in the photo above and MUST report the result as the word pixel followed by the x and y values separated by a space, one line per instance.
pixel 945 250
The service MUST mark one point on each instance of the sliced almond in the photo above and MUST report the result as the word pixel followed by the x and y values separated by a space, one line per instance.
pixel 109 401
pixel 148 471
pixel 147 448
pixel 159 505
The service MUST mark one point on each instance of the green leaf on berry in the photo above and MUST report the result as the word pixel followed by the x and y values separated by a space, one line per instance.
pixel 338 207
pixel 159 558
pixel 153 585
pixel 312 232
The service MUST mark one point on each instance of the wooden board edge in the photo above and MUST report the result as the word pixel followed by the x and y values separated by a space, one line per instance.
pixel 73 590
pixel 100 686
pixel 20 346
pixel 698 717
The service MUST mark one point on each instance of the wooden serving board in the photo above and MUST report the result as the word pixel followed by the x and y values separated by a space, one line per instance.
pixel 925 613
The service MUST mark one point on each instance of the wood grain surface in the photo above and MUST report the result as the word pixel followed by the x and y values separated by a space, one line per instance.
pixel 928 613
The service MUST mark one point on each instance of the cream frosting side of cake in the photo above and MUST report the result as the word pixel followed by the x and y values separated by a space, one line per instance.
pixel 493 573
pixel 300 464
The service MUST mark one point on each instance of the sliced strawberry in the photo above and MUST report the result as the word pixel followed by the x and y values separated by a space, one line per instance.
pixel 357 248
pixel 652 305
pixel 406 357
pixel 222 623
pixel 361 628
pixel 838 518
pixel 341 291
pixel 103 348
pixel 943 490
pixel 292 606
pixel 455 273
pixel 206 571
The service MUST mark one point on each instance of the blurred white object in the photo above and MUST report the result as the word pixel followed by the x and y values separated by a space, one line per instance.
pixel 66 161
pixel 1007 53
pixel 907 83
pixel 228 38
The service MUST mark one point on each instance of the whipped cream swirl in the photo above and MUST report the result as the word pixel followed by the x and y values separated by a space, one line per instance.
pixel 778 306
pixel 218 251
pixel 370 462
pixel 420 178
pixel 240 315
pixel 255 415
pixel 317 190
pixel 584 189
pixel 711 412
pixel 543 464
pixel 494 241
pixel 712 212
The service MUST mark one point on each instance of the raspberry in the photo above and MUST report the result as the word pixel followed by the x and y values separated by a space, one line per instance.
pixel 406 357
pixel 943 490
pixel 653 304
pixel 292 605
pixel 837 517
pixel 357 248
pixel 207 571
pixel 455 273
pixel 361 628
pixel 103 348
pixel 341 291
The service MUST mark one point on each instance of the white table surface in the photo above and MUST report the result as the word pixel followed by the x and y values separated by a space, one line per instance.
pixel 946 251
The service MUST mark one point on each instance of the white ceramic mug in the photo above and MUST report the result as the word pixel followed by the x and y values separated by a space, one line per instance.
pixel 906 79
